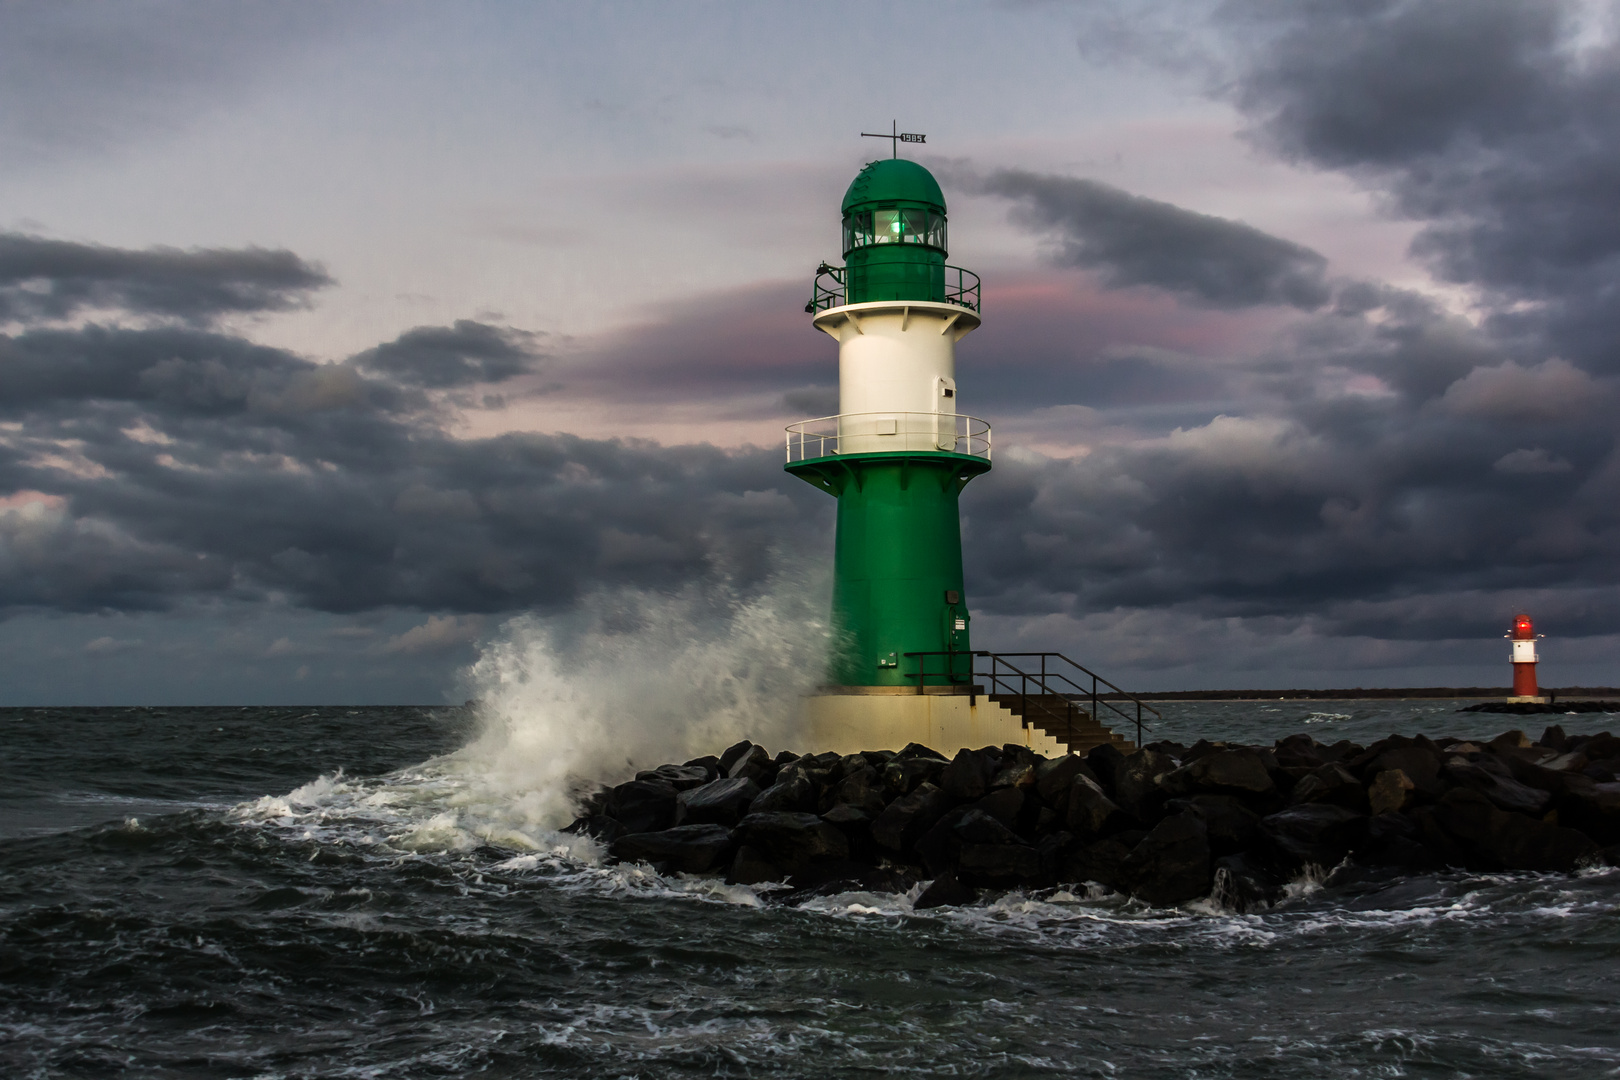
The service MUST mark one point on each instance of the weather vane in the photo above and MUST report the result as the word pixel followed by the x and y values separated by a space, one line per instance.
pixel 896 137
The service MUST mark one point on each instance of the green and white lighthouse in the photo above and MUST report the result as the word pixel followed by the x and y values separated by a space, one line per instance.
pixel 899 451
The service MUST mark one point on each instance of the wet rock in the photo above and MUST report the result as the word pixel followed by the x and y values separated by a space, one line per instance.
pixel 937 848
pixel 1102 861
pixel 1136 785
pixel 846 816
pixel 791 840
pixel 734 754
pixel 792 792
pixel 999 863
pixel 944 891
pixel 860 788
pixel 679 777
pixel 1331 783
pixel 1172 863
pixel 904 775
pixel 754 765
pixel 978 827
pixel 1504 792
pixel 1554 738
pixel 915 750
pixel 1498 839
pixel 1420 763
pixel 1390 791
pixel 1106 764
pixel 1003 804
pixel 1242 884
pixel 722 802
pixel 691 849
pixel 1091 813
pixel 1591 807
pixel 709 764
pixel 967 777
pixel 750 867
pixel 1017 773
pixel 907 818
pixel 643 805
pixel 1317 834
pixel 1232 772
pixel 1052 778
pixel 1232 827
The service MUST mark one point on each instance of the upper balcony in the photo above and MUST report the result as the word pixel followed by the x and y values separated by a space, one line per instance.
pixel 961 287
pixel 888 432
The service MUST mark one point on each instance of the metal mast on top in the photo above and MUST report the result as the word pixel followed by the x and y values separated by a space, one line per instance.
pixel 896 137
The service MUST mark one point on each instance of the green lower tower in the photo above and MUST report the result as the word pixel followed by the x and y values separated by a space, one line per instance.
pixel 898 453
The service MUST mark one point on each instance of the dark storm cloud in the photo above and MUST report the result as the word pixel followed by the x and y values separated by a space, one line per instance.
pixel 202 465
pixel 1489 120
pixel 440 357
pixel 55 279
pixel 1134 240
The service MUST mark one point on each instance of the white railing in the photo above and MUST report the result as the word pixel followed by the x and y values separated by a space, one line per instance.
pixel 881 432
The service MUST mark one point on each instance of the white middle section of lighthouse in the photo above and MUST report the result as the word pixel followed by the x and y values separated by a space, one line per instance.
pixel 897 373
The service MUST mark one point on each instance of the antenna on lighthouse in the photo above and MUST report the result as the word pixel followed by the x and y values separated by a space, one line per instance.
pixel 896 137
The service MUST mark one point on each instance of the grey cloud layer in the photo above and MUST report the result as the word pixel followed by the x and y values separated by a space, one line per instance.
pixel 57 279
pixel 1489 120
pixel 1133 240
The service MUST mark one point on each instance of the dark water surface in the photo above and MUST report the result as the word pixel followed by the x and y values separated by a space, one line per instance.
pixel 200 893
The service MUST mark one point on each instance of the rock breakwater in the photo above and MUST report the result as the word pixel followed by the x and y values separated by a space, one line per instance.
pixel 1167 824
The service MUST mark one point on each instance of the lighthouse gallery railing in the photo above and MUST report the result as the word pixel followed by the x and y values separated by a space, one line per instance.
pixel 885 432
pixel 961 288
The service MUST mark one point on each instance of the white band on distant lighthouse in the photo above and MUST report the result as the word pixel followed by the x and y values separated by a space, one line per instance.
pixel 1524 652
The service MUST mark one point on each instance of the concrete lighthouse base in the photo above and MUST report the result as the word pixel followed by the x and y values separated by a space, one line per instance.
pixel 851 719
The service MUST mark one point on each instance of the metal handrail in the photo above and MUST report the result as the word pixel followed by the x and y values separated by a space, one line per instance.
pixel 1042 679
pixel 829 289
pixel 882 432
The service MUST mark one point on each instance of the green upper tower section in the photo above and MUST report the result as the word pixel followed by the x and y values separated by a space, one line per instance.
pixel 894 234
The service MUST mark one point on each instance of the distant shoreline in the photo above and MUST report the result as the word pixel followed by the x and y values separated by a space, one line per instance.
pixel 1571 693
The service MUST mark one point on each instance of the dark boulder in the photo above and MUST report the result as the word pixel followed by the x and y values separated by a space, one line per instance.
pixel 755 765
pixel 1243 884
pixel 1390 791
pixel 791 840
pixel 967 777
pixel 734 754
pixel 750 867
pixel 1498 839
pixel 722 802
pixel 1240 772
pixel 904 775
pixel 1504 792
pixel 643 805
pixel 861 788
pixel 1102 861
pixel 793 792
pixel 907 818
pixel 1419 760
pixel 1091 813
pixel 937 848
pixel 1232 827
pixel 1317 834
pixel 1172 863
pixel 1003 804
pixel 944 891
pixel 847 817
pixel 1052 778
pixel 916 750
pixel 1106 764
pixel 679 777
pixel 1331 783
pixel 1136 787
pixel 691 849
pixel 709 764
pixel 978 827
pixel 1001 864
pixel 1014 773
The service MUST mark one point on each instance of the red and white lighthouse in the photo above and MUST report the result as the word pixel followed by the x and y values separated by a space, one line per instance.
pixel 1523 641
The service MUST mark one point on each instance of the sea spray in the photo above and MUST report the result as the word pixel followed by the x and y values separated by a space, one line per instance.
pixel 633 678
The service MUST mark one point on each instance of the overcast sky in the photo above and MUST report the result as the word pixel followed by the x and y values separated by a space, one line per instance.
pixel 336 336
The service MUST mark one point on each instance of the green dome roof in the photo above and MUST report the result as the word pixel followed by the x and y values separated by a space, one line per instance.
pixel 894 180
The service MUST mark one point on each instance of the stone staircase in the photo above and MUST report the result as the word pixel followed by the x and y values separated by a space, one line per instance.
pixel 1061 719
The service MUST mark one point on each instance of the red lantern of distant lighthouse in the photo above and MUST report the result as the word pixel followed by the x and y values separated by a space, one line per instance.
pixel 1523 641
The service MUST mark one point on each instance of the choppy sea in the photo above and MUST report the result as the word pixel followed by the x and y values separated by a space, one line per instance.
pixel 340 892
